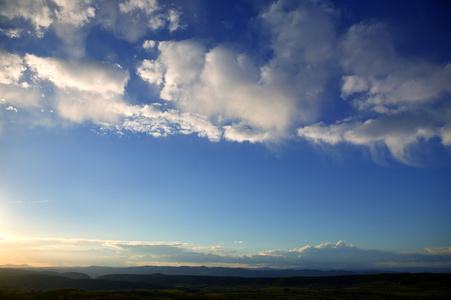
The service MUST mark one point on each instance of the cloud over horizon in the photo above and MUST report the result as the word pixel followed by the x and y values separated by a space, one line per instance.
pixel 224 92
pixel 325 256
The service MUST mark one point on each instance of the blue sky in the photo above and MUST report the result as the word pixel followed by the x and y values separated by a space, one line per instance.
pixel 300 134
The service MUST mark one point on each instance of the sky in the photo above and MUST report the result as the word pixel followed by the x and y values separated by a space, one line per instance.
pixel 286 134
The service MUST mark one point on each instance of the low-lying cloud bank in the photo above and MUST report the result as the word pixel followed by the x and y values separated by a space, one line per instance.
pixel 222 92
pixel 85 252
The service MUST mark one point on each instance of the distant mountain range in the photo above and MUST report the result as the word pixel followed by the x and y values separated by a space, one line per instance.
pixel 95 271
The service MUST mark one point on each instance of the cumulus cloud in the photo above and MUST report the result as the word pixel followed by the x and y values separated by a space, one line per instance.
pixel 251 101
pixel 219 84
pixel 339 255
pixel 151 71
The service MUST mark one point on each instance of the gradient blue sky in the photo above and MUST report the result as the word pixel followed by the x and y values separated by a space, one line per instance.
pixel 303 134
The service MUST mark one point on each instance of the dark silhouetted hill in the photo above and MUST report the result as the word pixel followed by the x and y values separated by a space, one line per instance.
pixel 95 271
pixel 25 279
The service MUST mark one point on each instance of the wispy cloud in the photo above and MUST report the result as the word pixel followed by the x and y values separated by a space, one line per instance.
pixel 440 250
pixel 406 99
pixel 131 19
pixel 42 201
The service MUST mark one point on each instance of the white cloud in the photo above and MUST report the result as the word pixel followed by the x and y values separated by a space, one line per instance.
pixel 173 17
pixel 353 84
pixel 12 33
pixel 320 132
pixel 42 14
pixel 151 71
pixel 82 90
pixel 397 132
pixel 65 17
pixel 81 75
pixel 19 97
pixel 129 19
pixel 79 106
pixel 182 63
pixel 151 120
pixel 70 19
pixel 149 44
pixel 11 108
pixel 445 134
pixel 11 68
pixel 147 6
pixel 241 133
pixel 76 13
pixel 36 12
pixel 229 88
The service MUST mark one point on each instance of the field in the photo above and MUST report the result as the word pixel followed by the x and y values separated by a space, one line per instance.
pixel 159 286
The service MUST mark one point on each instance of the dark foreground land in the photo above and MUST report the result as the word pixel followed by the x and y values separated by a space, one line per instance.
pixel 20 284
